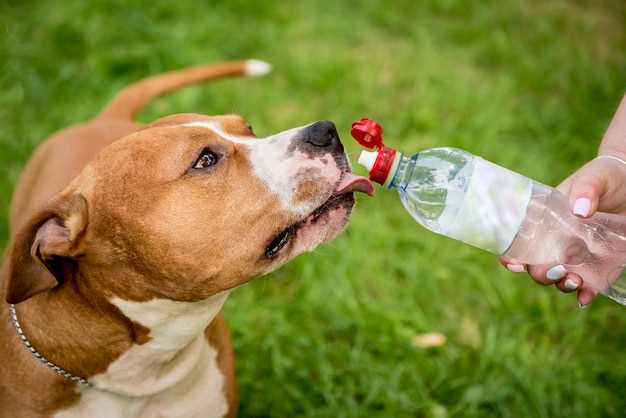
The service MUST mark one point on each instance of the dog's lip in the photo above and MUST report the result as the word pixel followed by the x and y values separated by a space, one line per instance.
pixel 348 184
pixel 351 183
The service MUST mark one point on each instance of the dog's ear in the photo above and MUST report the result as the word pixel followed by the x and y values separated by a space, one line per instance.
pixel 43 253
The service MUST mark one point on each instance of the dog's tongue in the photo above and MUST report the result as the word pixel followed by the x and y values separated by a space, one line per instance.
pixel 351 183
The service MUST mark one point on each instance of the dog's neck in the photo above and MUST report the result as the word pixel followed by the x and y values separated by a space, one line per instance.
pixel 176 345
pixel 127 347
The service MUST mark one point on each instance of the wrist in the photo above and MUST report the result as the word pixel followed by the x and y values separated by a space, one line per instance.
pixel 617 154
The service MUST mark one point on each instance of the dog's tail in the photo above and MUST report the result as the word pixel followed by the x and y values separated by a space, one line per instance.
pixel 130 101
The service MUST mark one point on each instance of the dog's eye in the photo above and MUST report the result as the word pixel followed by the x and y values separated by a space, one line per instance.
pixel 250 129
pixel 205 160
pixel 279 242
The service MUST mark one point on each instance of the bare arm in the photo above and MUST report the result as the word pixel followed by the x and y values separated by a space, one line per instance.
pixel 614 141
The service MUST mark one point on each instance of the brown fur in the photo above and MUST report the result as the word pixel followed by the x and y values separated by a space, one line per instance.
pixel 112 210
pixel 78 316
pixel 219 336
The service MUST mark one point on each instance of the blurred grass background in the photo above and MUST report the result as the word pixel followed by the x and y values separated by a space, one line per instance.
pixel 530 85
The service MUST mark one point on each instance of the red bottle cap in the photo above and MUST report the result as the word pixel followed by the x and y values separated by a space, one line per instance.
pixel 369 134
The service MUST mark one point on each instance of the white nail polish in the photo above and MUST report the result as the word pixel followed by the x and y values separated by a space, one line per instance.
pixel 570 284
pixel 581 306
pixel 516 268
pixel 582 206
pixel 556 273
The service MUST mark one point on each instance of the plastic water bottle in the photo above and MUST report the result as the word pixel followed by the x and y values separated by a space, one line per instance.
pixel 454 193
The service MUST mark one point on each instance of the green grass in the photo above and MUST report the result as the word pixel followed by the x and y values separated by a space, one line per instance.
pixel 530 85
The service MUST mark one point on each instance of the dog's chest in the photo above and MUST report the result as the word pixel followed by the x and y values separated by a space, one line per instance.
pixel 199 394
pixel 174 375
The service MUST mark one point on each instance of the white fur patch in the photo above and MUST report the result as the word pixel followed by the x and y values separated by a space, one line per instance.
pixel 174 375
pixel 256 68
pixel 217 129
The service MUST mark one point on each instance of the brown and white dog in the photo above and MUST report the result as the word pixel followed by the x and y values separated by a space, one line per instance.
pixel 127 239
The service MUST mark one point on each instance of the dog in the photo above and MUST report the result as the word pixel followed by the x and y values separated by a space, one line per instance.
pixel 127 239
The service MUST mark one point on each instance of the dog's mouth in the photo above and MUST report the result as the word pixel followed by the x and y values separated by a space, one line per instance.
pixel 343 196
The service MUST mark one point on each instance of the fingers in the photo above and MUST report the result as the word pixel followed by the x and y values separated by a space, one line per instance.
pixel 558 275
pixel 547 275
pixel 570 283
pixel 598 185
pixel 585 191
pixel 516 268
pixel 542 274
pixel 512 265
pixel 585 295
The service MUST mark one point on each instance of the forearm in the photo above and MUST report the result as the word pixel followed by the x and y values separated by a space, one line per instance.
pixel 614 141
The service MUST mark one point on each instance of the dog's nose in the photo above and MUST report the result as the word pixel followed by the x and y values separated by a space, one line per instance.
pixel 322 134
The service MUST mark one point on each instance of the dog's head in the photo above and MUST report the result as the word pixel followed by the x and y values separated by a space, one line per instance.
pixel 191 206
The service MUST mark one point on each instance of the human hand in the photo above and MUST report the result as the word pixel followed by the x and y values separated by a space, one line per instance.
pixel 600 185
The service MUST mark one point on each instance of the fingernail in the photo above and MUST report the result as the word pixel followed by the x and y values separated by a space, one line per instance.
pixel 581 306
pixel 516 268
pixel 582 206
pixel 570 284
pixel 556 273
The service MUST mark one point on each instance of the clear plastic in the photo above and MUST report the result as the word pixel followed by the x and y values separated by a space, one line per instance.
pixel 456 194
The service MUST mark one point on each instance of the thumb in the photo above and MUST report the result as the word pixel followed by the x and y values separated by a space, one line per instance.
pixel 586 188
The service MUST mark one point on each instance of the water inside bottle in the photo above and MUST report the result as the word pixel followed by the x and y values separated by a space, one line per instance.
pixel 456 194
pixel 432 185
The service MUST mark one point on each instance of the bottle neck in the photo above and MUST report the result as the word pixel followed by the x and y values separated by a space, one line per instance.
pixel 401 171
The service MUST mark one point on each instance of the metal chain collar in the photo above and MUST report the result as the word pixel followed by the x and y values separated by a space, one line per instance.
pixel 58 370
